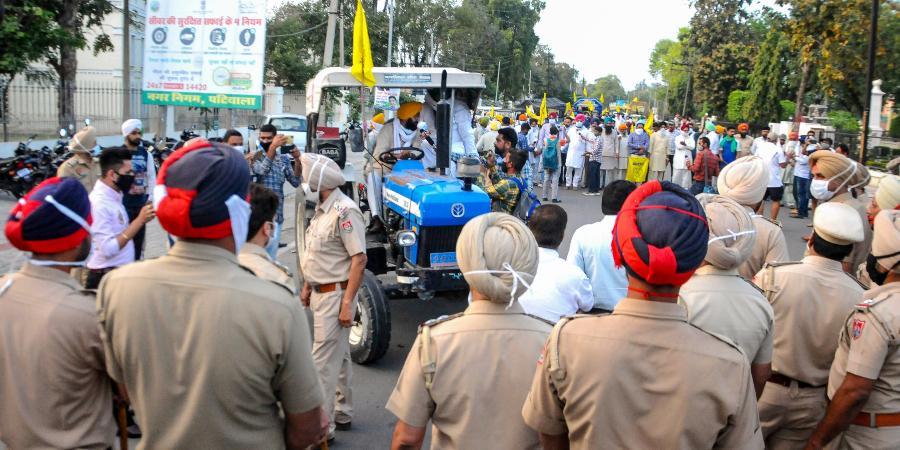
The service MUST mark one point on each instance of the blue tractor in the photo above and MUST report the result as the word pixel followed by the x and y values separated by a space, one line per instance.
pixel 423 212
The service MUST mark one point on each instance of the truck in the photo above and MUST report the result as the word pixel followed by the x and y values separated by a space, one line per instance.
pixel 423 211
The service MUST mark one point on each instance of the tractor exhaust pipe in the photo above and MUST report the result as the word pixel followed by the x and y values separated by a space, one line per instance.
pixel 442 117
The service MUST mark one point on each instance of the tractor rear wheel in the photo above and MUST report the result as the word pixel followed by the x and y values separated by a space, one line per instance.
pixel 370 333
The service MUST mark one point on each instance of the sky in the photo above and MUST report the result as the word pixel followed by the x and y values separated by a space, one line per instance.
pixel 613 24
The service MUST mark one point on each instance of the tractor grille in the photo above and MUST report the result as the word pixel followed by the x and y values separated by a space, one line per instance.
pixel 436 240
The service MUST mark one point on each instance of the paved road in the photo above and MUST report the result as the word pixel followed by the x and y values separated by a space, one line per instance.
pixel 373 383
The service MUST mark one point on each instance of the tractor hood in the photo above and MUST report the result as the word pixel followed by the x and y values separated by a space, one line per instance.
pixel 430 199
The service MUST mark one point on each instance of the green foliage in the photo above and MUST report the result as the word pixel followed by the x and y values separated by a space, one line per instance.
pixel 610 86
pixel 772 77
pixel 736 110
pixel 844 121
pixel 716 75
pixel 787 109
pixel 555 78
pixel 894 132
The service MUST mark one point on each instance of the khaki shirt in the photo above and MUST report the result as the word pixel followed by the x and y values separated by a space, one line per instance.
pixel 87 174
pixel 870 347
pixel 643 377
pixel 811 300
pixel 721 302
pixel 770 246
pixel 860 249
pixel 335 234
pixel 54 391
pixel 206 349
pixel 485 360
pixel 257 259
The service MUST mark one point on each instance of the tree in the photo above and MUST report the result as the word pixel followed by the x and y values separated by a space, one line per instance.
pixel 772 74
pixel 717 75
pixel 667 62
pixel 54 42
pixel 609 86
pixel 844 121
pixel 736 106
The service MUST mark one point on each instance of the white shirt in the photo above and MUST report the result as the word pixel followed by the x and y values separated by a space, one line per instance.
pixel 559 288
pixel 774 157
pixel 591 251
pixel 714 139
pixel 576 148
pixel 801 166
pixel 756 143
pixel 109 221
pixel 683 146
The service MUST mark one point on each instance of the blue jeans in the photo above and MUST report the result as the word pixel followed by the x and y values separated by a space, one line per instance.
pixel 272 248
pixel 801 192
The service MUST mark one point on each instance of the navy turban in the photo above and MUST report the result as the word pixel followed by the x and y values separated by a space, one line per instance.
pixel 37 225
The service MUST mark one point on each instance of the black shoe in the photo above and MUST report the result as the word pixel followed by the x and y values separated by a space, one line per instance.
pixel 282 245
pixel 556 200
pixel 544 199
pixel 342 426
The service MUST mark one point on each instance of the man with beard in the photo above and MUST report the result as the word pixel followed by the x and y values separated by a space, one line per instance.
pixel 273 169
pixel 390 136
pixel 144 168
pixel 502 184
pixel 113 230
pixel 744 140
pixel 54 392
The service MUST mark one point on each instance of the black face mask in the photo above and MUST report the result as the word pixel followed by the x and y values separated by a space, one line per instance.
pixel 875 275
pixel 265 145
pixel 124 182
pixel 608 129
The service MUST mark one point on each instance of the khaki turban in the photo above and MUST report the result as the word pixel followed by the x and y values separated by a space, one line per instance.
pixel 888 194
pixel 321 172
pixel 731 223
pixel 831 164
pixel 496 243
pixel 744 180
pixel 84 140
pixel 887 239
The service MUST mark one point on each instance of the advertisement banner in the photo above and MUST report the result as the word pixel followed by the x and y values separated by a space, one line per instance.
pixel 386 99
pixel 204 53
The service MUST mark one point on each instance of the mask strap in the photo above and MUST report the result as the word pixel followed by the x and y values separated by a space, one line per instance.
pixel 78 143
pixel 159 193
pixel 648 294
pixel 517 278
pixel 731 235
pixel 68 213
pixel 238 208
pixel 852 168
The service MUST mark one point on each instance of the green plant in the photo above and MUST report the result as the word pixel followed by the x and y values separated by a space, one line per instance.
pixel 844 121
pixel 894 132
pixel 787 109
pixel 737 100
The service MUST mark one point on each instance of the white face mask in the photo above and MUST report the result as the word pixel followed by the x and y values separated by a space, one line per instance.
pixel 75 218
pixel 639 130
pixel 819 188
pixel 239 213
pixel 239 148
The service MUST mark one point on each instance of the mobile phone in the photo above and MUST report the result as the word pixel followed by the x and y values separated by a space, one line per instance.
pixel 288 140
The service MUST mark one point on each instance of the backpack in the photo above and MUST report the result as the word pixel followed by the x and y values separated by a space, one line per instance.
pixel 526 202
pixel 550 157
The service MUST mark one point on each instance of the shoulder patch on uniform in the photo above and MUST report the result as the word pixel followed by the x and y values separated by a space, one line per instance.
pixel 438 320
pixel 347 226
pixel 342 210
pixel 857 330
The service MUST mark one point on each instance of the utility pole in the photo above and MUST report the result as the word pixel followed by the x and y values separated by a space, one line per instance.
pixel 497 86
pixel 432 50
pixel 529 84
pixel 126 61
pixel 328 57
pixel 873 42
pixel 389 5
pixel 341 34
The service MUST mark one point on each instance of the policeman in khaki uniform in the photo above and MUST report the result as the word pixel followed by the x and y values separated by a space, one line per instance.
pixel 469 373
pixel 263 207
pixel 82 166
pixel 333 267
pixel 54 391
pixel 212 356
pixel 745 181
pixel 864 384
pixel 811 299
pixel 643 377
pixel 720 301
pixel 833 176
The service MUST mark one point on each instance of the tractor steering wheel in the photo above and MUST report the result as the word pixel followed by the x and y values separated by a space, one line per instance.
pixel 393 155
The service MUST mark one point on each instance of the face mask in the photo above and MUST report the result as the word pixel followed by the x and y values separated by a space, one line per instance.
pixel 75 218
pixel 639 130
pixel 608 129
pixel 552 121
pixel 264 146
pixel 124 182
pixel 96 151
pixel 239 148
pixel 875 275
pixel 819 188
pixel 239 213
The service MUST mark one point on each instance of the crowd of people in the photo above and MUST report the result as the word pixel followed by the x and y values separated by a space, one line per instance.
pixel 677 320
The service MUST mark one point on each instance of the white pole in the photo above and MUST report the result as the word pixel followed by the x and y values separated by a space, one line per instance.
pixel 497 86
pixel 327 58
pixel 341 38
pixel 390 7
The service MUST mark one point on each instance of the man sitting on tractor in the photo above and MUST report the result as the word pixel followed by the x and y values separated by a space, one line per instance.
pixel 390 136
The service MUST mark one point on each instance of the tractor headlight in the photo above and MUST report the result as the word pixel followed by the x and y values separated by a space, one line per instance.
pixel 406 238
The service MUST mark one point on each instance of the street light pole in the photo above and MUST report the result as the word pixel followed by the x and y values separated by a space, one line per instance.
pixel 126 61
pixel 390 9
pixel 497 86
pixel 328 57
pixel 870 73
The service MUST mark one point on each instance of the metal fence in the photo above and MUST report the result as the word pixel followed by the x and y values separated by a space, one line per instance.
pixel 32 109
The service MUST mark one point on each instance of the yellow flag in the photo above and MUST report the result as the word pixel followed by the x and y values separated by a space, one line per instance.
pixel 618 108
pixel 649 125
pixel 543 110
pixel 568 108
pixel 601 99
pixel 590 106
pixel 584 90
pixel 574 98
pixel 362 51
pixel 635 100
pixel 491 113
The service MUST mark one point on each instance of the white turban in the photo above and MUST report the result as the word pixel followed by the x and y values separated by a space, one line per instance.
pixel 888 194
pixel 130 125
pixel 744 180
pixel 497 252
pixel 731 231
pixel 321 172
